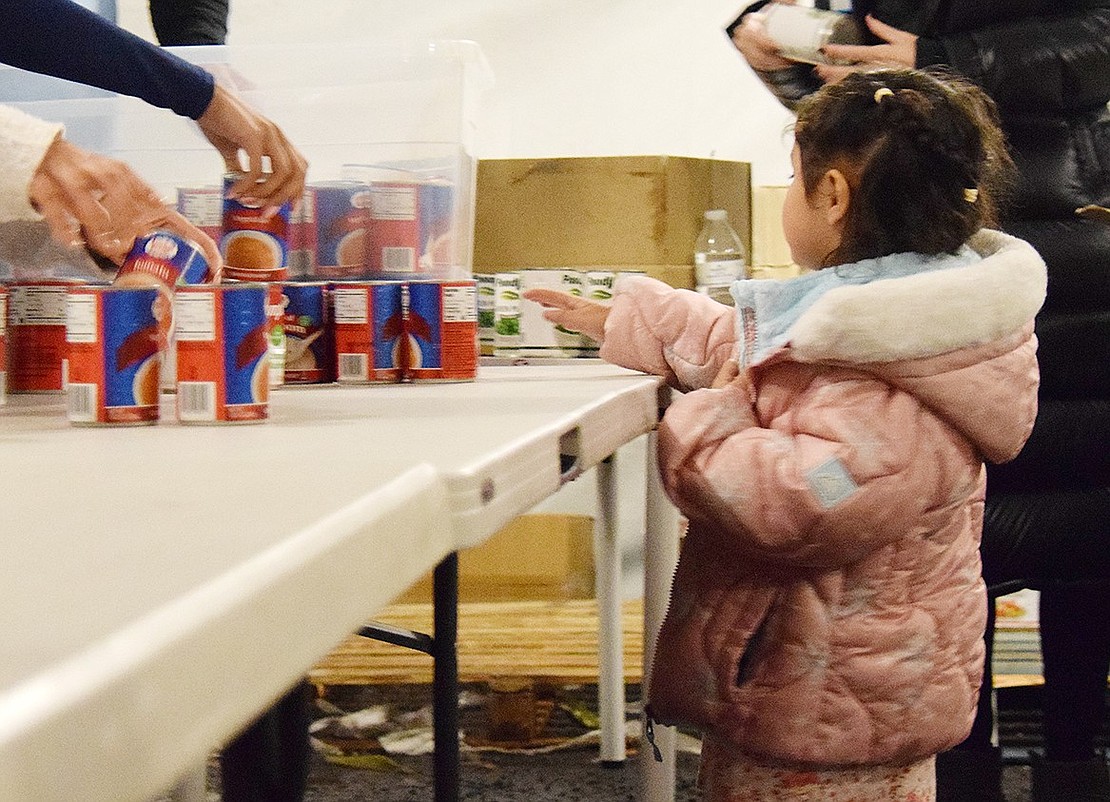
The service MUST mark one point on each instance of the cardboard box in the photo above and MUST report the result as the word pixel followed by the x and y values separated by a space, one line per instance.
pixel 618 212
pixel 540 557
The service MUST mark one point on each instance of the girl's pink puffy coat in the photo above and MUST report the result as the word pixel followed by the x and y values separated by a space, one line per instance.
pixel 828 607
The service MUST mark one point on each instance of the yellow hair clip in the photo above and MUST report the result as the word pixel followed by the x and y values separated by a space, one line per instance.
pixel 971 194
pixel 882 92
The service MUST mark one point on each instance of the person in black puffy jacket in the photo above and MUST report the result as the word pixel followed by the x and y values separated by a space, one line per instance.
pixel 1046 63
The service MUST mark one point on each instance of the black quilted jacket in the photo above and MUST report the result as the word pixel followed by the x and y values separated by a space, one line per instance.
pixel 1046 63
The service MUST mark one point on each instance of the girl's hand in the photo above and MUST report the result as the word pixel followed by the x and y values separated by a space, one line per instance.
pixel 899 49
pixel 571 312
pixel 757 47
pixel 87 198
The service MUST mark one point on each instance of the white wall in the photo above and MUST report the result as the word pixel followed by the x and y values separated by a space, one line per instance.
pixel 571 77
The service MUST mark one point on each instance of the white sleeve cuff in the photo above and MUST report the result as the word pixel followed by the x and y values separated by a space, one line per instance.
pixel 24 141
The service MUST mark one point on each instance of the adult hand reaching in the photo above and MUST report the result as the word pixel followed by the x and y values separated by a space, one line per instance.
pixel 274 170
pixel 87 198
pixel 899 49
pixel 571 312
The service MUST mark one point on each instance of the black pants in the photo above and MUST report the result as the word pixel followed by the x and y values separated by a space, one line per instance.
pixel 189 22
pixel 1058 543
pixel 269 760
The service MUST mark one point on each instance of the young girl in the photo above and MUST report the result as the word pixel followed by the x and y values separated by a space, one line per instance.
pixel 825 629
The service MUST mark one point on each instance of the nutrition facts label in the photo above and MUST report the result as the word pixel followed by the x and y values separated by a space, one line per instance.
pixel 460 304
pixel 202 207
pixel 81 319
pixel 350 305
pixel 194 316
pixel 394 202
pixel 38 306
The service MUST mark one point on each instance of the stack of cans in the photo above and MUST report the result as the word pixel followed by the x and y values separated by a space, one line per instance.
pixel 364 332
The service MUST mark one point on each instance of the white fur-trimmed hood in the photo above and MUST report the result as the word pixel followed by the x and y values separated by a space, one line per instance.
pixel 912 317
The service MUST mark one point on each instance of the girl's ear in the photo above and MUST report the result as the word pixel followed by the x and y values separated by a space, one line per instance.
pixel 837 196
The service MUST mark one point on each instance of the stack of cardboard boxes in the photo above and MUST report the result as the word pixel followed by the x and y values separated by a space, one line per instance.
pixel 583 220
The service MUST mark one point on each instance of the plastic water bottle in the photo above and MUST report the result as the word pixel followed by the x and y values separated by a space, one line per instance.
pixel 719 257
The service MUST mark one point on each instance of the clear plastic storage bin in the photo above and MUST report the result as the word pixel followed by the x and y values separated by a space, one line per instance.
pixel 390 115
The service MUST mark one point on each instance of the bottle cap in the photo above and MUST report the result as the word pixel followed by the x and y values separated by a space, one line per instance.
pixel 716 214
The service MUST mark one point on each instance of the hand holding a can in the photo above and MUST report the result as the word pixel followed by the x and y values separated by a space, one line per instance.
pixel 758 49
pixel 274 172
pixel 898 49
pixel 571 312
pixel 87 198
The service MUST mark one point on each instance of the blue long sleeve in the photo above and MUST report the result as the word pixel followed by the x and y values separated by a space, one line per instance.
pixel 65 40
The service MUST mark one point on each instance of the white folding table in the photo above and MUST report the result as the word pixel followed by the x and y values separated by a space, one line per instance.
pixel 161 585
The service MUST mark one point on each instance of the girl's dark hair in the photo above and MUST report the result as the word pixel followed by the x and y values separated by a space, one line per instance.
pixel 923 154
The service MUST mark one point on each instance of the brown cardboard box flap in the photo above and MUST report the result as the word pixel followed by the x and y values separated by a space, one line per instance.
pixel 632 210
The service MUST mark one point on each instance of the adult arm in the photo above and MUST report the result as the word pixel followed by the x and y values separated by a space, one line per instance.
pixel 788 81
pixel 62 39
pixel 65 40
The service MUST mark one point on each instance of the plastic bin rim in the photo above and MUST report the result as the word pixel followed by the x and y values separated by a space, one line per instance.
pixel 465 51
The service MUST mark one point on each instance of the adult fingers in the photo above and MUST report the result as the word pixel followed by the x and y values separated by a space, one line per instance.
pixel 287 167
pixel 888 33
pixel 759 50
pixel 133 208
pixel 832 73
pixel 177 223
pixel 53 206
pixel 857 54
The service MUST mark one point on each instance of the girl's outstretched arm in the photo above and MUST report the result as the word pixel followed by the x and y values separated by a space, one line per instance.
pixel 571 312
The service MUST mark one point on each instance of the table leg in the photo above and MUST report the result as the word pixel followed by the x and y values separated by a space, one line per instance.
pixel 445 678
pixel 607 585
pixel 660 557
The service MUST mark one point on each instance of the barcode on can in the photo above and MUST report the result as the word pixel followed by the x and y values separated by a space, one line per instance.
pixel 353 366
pixel 196 401
pixel 398 260
pixel 81 402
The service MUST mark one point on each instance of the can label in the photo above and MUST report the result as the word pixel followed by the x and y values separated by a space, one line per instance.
pixel 275 316
pixel 3 345
pixel 368 324
pixel 223 365
pixel 441 331
pixel 115 341
pixel 342 211
pixel 203 207
pixel 412 227
pixel 302 237
pixel 255 242
pixel 507 304
pixel 169 258
pixel 486 283
pixel 36 336
pixel 308 349
pixel 801 31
